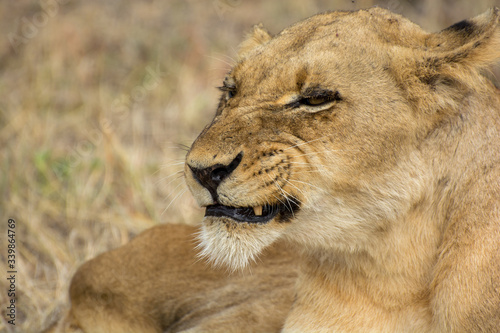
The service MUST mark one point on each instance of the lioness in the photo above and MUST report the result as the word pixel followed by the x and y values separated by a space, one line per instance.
pixel 353 147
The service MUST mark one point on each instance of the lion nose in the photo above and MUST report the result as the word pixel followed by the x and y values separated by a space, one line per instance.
pixel 211 177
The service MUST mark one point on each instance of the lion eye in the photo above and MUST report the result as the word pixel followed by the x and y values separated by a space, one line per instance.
pixel 319 98
pixel 314 101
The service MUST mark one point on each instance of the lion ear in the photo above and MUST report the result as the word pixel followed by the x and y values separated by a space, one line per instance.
pixel 474 42
pixel 258 36
pixel 451 63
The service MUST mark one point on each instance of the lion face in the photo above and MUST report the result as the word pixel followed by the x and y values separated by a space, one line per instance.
pixel 314 138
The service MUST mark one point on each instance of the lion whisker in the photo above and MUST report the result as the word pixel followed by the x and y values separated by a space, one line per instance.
pixel 325 152
pixel 305 183
pixel 174 163
pixel 181 193
pixel 288 197
pixel 179 174
pixel 229 62
pixel 174 190
pixel 306 142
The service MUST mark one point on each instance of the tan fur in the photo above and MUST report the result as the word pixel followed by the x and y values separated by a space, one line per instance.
pixel 157 283
pixel 397 177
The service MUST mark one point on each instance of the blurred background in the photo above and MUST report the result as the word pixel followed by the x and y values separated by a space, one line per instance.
pixel 99 101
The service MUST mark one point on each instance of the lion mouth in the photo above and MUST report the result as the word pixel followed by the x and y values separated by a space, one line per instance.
pixel 257 214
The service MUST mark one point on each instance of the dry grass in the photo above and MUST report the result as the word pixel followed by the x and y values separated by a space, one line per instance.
pixel 97 100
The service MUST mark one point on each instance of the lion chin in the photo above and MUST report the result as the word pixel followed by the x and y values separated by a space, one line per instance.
pixel 225 242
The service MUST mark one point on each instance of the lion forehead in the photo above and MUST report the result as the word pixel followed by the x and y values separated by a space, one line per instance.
pixel 325 48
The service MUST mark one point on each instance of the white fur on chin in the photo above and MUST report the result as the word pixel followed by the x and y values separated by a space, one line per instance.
pixel 224 242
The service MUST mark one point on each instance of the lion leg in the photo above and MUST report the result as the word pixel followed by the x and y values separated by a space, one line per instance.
pixel 130 289
pixel 82 320
pixel 106 292
pixel 157 283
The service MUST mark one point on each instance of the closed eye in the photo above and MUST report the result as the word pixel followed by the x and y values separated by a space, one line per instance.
pixel 319 97
pixel 314 101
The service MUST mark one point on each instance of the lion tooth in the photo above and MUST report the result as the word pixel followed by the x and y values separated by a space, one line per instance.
pixel 257 210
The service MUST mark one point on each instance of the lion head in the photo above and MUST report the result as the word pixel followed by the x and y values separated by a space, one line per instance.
pixel 319 131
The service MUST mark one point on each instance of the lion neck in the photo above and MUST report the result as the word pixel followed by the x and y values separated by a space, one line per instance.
pixel 396 266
